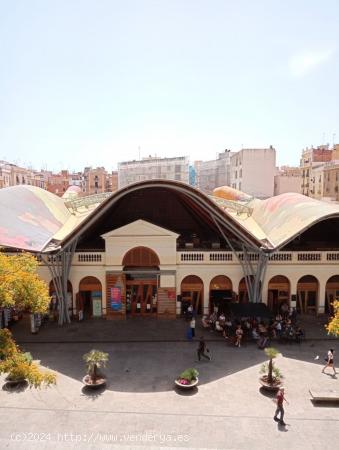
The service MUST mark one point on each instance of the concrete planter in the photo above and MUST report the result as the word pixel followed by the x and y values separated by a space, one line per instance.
pixel 88 382
pixel 187 386
pixel 272 387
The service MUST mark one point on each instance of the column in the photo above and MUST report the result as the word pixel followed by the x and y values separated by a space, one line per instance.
pixel 321 297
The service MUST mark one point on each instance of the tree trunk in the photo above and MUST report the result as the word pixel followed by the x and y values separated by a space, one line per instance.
pixel 270 372
pixel 94 374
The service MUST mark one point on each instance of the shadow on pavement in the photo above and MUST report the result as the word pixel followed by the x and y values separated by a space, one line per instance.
pixel 15 387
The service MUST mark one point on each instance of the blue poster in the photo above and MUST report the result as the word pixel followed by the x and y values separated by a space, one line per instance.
pixel 116 298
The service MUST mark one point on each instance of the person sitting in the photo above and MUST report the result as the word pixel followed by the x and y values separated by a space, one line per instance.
pixel 278 328
pixel 263 341
pixel 212 319
pixel 255 334
pixel 222 319
pixel 278 317
pixel 238 336
pixel 205 322
pixel 218 327
pixel 262 328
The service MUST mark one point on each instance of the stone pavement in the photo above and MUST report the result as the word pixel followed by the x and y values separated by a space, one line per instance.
pixel 141 409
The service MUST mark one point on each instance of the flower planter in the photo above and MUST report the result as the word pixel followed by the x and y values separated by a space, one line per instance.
pixel 89 382
pixel 187 386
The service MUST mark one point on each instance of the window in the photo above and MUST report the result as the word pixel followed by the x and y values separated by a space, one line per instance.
pixel 240 173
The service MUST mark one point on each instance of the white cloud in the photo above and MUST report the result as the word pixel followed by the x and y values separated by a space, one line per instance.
pixel 303 63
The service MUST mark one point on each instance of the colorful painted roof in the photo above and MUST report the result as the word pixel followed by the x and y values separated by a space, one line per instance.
pixel 31 218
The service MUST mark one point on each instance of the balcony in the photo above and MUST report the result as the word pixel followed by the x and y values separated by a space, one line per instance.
pixel 208 257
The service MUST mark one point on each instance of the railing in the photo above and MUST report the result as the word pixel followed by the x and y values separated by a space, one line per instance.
pixel 222 257
pixel 218 257
pixel 89 258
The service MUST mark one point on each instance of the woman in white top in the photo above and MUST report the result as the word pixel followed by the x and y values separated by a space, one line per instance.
pixel 330 361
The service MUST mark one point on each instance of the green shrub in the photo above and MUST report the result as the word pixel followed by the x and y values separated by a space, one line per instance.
pixel 189 374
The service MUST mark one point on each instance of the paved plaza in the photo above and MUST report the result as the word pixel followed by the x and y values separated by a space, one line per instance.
pixel 140 407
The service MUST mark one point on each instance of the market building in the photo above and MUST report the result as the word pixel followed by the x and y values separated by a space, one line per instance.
pixel 149 247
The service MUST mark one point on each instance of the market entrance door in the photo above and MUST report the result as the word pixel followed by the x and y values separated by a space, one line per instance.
pixel 141 267
pixel 141 294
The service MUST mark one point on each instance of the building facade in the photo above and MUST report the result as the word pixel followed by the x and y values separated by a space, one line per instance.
pixel 152 168
pixel 287 179
pixel 311 159
pixel 151 247
pixel 253 171
pixel 214 173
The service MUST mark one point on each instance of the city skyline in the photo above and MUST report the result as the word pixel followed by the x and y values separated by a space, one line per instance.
pixel 91 85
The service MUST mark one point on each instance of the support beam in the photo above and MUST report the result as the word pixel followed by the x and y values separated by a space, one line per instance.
pixel 254 274
pixel 59 266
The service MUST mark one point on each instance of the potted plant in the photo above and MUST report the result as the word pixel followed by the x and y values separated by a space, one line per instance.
pixel 271 378
pixel 188 378
pixel 94 360
pixel 19 366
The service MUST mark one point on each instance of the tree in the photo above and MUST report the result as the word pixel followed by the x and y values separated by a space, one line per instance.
pixel 19 366
pixel 20 285
pixel 94 360
pixel 333 325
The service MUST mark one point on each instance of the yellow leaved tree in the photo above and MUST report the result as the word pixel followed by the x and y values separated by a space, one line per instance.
pixel 333 325
pixel 21 287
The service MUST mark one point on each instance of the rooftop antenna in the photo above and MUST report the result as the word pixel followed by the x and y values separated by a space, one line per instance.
pixel 333 139
pixel 139 152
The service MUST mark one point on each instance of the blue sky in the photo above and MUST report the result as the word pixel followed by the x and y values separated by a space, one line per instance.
pixel 97 82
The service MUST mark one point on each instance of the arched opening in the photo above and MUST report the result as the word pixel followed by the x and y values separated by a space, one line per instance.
pixel 243 296
pixel 141 268
pixel 332 292
pixel 89 298
pixel 307 295
pixel 192 291
pixel 54 305
pixel 141 257
pixel 278 293
pixel 220 294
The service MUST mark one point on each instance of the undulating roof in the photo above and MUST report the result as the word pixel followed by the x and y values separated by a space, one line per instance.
pixel 31 218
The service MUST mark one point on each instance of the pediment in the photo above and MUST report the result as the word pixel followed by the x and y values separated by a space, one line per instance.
pixel 140 228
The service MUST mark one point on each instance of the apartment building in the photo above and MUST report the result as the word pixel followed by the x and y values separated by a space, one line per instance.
pixel 287 179
pixel 151 168
pixel 311 159
pixel 253 170
pixel 112 181
pixel 214 173
pixel 13 175
pixel 5 174
pixel 57 183
pixel 95 180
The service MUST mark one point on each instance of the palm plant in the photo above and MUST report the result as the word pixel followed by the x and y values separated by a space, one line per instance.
pixel 273 373
pixel 95 359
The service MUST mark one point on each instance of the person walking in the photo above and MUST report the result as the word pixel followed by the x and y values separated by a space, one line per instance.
pixel 192 325
pixel 330 361
pixel 280 399
pixel 201 350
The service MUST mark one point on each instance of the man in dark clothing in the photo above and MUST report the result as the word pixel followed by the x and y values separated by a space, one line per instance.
pixel 280 398
pixel 201 350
